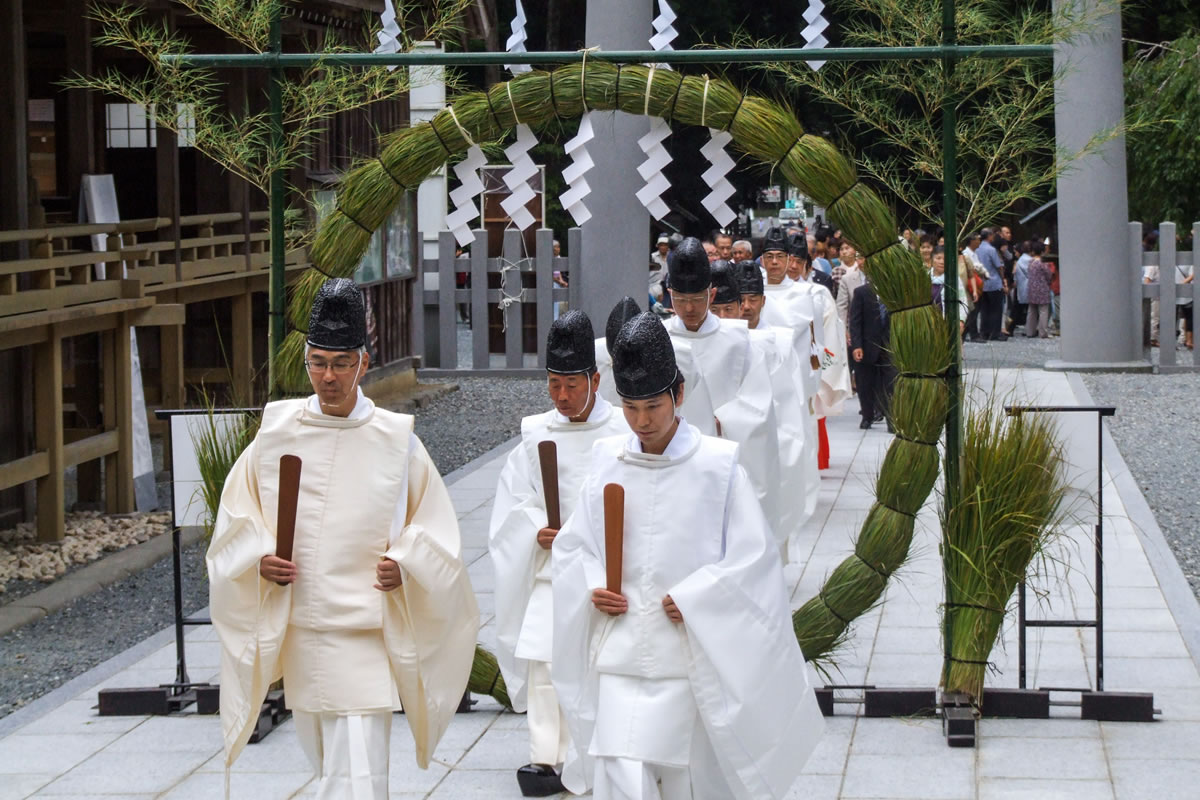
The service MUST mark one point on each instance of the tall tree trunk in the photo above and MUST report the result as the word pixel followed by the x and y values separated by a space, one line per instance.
pixel 485 11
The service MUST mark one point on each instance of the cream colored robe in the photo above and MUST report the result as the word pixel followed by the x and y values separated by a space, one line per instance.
pixel 368 490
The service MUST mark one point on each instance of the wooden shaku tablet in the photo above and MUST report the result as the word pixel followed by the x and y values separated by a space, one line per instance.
pixel 614 533
pixel 548 456
pixel 289 496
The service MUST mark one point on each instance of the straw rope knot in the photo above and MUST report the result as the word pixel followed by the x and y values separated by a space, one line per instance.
pixel 347 215
pixel 441 141
pixel 825 602
pixel 617 89
pixel 904 438
pixel 733 117
pixel 835 200
pixel 975 606
pixel 466 136
pixel 877 251
pixel 583 76
pixel 383 165
pixel 511 103
pixel 872 567
pixel 492 110
pixel 895 510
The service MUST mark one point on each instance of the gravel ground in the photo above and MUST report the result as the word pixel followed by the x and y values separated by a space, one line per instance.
pixel 1018 351
pixel 1156 427
pixel 456 428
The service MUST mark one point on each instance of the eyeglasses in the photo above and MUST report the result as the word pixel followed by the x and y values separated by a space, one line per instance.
pixel 339 367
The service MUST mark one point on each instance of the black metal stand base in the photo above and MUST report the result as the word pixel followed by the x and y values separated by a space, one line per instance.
pixel 274 712
pixel 960 717
pixel 168 698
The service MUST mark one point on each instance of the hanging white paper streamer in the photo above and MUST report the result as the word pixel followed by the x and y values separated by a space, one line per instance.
pixel 657 157
pixel 814 33
pixel 714 176
pixel 581 161
pixel 389 37
pixel 465 209
pixel 516 42
pixel 517 178
pixel 651 169
pixel 664 30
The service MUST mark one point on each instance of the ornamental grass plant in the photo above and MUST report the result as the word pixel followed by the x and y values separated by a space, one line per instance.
pixel 1011 500
pixel 767 132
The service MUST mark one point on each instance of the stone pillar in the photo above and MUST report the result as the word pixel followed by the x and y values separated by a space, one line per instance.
pixel 616 240
pixel 1099 288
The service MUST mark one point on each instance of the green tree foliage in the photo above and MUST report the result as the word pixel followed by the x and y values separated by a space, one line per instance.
pixel 238 139
pixel 890 112
pixel 1164 156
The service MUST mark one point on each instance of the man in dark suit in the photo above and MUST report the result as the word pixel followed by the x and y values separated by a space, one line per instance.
pixel 873 371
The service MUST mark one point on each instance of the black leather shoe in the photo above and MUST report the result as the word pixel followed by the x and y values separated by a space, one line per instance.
pixel 865 424
pixel 539 780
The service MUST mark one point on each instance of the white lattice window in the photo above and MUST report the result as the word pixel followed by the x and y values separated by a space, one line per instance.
pixel 132 125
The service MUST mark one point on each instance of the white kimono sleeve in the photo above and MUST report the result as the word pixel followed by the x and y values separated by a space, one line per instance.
pixel 578 568
pixel 749 420
pixel 517 514
pixel 249 614
pixel 747 672
pixel 431 621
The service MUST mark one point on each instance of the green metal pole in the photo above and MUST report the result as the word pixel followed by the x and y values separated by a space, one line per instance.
pixel 714 56
pixel 950 287
pixel 278 288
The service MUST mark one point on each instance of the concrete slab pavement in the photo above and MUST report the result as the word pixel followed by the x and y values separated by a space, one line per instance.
pixel 58 747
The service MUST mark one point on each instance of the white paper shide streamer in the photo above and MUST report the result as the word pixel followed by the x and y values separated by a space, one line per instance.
pixel 463 198
pixel 664 29
pixel 389 37
pixel 716 154
pixel 581 161
pixel 516 41
pixel 814 33
pixel 657 157
pixel 651 170
pixel 517 178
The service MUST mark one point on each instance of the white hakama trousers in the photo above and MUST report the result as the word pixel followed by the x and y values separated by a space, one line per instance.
pixel 548 735
pixel 349 753
pixel 649 743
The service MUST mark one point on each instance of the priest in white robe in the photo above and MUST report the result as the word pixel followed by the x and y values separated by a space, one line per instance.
pixel 688 682
pixel 835 368
pixel 731 397
pixel 520 539
pixel 374 607
pixel 788 398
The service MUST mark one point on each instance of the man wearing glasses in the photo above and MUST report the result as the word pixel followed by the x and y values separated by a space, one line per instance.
pixel 374 608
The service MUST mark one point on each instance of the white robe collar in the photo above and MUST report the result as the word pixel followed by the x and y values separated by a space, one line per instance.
pixel 364 409
pixel 683 445
pixel 783 284
pixel 711 324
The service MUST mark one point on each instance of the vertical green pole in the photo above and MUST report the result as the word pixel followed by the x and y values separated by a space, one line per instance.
pixel 950 289
pixel 278 287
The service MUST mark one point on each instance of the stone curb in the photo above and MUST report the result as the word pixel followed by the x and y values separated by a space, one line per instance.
pixel 1181 600
pixel 93 577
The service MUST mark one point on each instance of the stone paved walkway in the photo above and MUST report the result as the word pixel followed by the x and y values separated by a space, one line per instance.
pixel 59 747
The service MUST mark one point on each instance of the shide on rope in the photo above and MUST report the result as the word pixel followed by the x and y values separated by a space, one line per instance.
pixel 768 133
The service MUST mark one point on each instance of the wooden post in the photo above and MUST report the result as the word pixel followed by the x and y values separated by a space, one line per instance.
pixel 87 408
pixel 545 289
pixel 448 330
pixel 48 422
pixel 480 357
pixel 241 348
pixel 14 155
pixel 81 144
pixel 510 285
pixel 108 369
